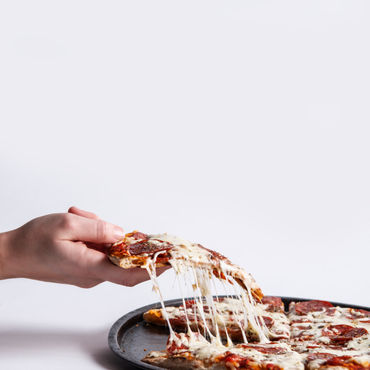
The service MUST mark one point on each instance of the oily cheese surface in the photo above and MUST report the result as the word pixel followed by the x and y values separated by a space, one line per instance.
pixel 132 339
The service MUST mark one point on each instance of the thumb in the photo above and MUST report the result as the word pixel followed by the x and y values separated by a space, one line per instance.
pixel 91 230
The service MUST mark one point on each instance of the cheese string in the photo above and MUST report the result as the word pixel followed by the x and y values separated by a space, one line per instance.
pixel 150 268
pixel 182 260
pixel 229 342
pixel 184 305
pixel 237 315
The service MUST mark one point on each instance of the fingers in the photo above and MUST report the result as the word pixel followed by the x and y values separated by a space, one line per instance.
pixel 82 213
pixel 74 227
pixel 106 271
pixel 99 247
pixel 101 268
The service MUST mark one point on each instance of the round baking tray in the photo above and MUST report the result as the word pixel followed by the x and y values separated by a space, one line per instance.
pixel 131 338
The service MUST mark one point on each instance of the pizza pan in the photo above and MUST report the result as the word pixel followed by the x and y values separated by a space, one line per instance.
pixel 131 338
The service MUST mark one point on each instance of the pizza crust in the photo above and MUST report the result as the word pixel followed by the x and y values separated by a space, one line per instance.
pixel 130 262
pixel 179 362
pixel 154 317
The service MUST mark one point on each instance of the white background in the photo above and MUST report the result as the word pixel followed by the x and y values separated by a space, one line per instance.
pixel 243 125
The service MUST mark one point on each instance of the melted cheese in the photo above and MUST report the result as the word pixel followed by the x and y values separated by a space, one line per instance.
pixel 360 357
pixel 150 267
pixel 197 264
pixel 320 320
pixel 203 350
pixel 358 348
pixel 229 314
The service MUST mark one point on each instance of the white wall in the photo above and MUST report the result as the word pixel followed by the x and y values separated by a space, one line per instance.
pixel 242 125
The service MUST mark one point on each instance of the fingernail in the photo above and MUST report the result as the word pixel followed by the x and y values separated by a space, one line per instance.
pixel 118 233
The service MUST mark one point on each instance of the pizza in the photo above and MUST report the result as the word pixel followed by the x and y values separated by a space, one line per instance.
pixel 244 329
pixel 229 318
pixel 147 251
pixel 314 335
pixel 184 351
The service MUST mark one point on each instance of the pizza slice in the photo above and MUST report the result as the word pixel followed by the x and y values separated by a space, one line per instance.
pixel 230 318
pixel 185 351
pixel 325 312
pixel 330 337
pixel 316 324
pixel 138 249
pixel 326 360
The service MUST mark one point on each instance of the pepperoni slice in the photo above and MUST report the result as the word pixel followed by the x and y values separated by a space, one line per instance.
pixel 303 336
pixel 274 304
pixel 358 314
pixel 179 322
pixel 190 303
pixel 340 334
pixel 137 235
pixel 269 322
pixel 319 356
pixel 344 361
pixel 303 308
pixel 313 345
pixel 143 246
pixel 163 258
pixel 233 331
pixel 272 350
pixel 331 359
pixel 300 321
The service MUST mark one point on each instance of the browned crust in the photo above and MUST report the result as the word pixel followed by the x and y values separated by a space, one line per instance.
pixel 345 366
pixel 155 317
pixel 332 361
pixel 183 361
pixel 256 293
pixel 132 261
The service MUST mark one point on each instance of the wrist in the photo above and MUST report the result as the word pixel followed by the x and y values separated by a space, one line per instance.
pixel 5 252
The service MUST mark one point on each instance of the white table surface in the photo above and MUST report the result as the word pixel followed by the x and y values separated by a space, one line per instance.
pixel 243 125
pixel 50 326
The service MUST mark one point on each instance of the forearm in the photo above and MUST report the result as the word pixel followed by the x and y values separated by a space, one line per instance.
pixel 5 249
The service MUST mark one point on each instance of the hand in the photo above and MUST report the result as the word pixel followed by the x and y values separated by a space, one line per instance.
pixel 58 248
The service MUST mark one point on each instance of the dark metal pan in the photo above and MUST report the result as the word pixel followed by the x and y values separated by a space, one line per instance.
pixel 131 338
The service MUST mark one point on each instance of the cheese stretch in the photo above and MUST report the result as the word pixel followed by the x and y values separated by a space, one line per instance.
pixel 230 315
pixel 197 264
pixel 303 335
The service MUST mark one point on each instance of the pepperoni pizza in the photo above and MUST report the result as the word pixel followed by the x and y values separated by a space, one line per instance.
pixel 245 330
pixel 140 250
pixel 311 335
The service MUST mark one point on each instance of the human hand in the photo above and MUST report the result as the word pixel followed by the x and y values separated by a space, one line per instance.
pixel 58 248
